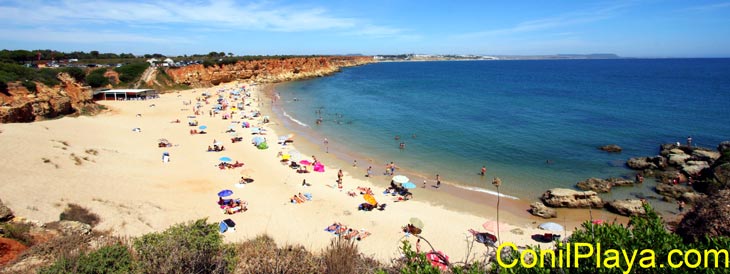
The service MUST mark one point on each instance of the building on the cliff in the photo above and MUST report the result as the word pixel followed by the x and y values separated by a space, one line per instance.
pixel 125 94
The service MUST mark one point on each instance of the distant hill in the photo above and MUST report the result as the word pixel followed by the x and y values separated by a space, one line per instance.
pixel 590 56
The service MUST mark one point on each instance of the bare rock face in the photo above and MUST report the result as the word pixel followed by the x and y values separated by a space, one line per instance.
pixel 67 227
pixel 672 191
pixel 263 71
pixel 563 197
pixel 705 155
pixel 47 102
pixel 628 207
pixel 595 184
pixel 709 217
pixel 641 163
pixel 694 167
pixel 611 148
pixel 678 159
pixel 5 213
pixel 539 209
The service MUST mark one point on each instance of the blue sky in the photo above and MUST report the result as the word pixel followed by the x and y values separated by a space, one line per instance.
pixel 650 28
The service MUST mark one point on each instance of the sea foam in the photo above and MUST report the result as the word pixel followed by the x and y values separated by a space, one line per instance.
pixel 294 120
pixel 479 189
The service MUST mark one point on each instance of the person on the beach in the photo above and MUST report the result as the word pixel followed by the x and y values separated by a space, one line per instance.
pixel 438 181
pixel 680 204
pixel 392 168
pixel 689 141
pixel 483 171
pixel 354 163
pixel 369 171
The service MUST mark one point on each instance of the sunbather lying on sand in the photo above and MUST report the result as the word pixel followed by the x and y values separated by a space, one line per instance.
pixel 333 227
pixel 363 235
pixel 411 229
pixel 351 233
pixel 297 200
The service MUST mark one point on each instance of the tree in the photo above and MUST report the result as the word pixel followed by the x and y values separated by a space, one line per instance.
pixel 94 54
pixel 230 54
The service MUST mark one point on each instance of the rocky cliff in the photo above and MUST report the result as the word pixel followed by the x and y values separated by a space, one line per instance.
pixel 263 71
pixel 21 105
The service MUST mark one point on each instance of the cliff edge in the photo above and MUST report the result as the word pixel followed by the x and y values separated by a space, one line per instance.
pixel 18 104
pixel 263 71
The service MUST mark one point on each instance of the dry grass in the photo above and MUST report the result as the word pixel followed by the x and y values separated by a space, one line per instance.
pixel 342 256
pixel 261 255
pixel 92 151
pixel 78 213
pixel 76 159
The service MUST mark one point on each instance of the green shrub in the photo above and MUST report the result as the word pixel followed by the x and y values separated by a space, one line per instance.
pixel 131 72
pixel 194 247
pixel 18 231
pixel 77 73
pixel 114 258
pixel 31 86
pixel 48 76
pixel 96 78
pixel 78 213
pixel 62 265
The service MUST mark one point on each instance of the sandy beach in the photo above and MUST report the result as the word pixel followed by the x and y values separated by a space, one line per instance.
pixel 99 162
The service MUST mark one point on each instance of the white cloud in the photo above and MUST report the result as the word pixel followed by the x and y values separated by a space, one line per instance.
pixel 224 13
pixel 567 19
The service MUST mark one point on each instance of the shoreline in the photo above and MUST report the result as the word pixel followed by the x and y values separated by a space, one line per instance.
pixel 462 198
pixel 101 164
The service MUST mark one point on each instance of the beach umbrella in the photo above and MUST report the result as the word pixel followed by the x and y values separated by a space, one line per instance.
pixel 370 199
pixel 225 193
pixel 202 127
pixel 286 157
pixel 490 226
pixel 282 139
pixel 409 185
pixel 225 159
pixel 257 140
pixel 400 179
pixel 551 226
pixel 416 222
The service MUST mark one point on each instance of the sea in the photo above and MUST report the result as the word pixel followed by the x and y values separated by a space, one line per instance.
pixel 535 124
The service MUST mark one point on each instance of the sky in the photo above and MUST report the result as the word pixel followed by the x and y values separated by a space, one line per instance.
pixel 638 28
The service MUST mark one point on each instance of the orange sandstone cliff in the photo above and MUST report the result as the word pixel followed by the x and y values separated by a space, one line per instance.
pixel 21 105
pixel 264 71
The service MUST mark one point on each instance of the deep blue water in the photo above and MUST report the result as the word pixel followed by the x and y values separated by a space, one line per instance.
pixel 513 116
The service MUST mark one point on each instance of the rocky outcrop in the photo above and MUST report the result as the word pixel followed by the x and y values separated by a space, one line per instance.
pixel 539 209
pixel 671 190
pixel 563 197
pixel 628 207
pixel 263 71
pixel 595 184
pixel 66 98
pixel 694 168
pixel 67 227
pixel 611 148
pixel 601 185
pixel 5 213
pixel 709 218
pixel 642 163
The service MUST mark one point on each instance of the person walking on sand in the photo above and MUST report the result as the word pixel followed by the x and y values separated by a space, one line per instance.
pixel 438 181
pixel 326 145
pixel 369 171
pixel 483 171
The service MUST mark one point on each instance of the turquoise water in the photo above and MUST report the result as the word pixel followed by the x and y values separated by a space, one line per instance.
pixel 535 124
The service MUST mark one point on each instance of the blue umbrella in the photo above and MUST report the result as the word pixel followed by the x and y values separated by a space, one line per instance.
pixel 225 193
pixel 202 127
pixel 551 226
pixel 409 185
pixel 225 159
pixel 257 140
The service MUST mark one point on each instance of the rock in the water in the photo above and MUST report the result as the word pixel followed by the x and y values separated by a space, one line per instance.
pixel 611 148
pixel 539 209
pixel 692 197
pixel 641 163
pixel 628 207
pixel 595 184
pixel 694 167
pixel 563 197
pixel 620 182
pixel 705 155
pixel 678 159
pixel 671 190
pixel 5 213
pixel 709 218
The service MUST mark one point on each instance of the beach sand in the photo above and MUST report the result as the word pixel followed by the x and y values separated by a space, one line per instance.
pixel 100 163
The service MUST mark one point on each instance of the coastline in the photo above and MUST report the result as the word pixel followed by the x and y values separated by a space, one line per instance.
pixel 117 173
pixel 481 201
